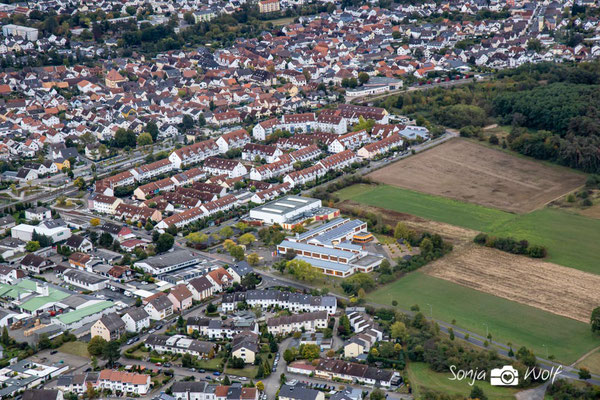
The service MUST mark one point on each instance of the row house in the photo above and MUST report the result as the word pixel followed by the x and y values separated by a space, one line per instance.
pixel 298 178
pixel 297 122
pixel 205 391
pixel 226 118
pixel 296 142
pixel 382 146
pixel 180 200
pixel 333 369
pixel 194 153
pixel 179 344
pixel 307 322
pixel 233 140
pixel 349 141
pixel 151 170
pixel 264 129
pixel 294 302
pixel 121 179
pixel 103 204
pixel 331 123
pixel 305 153
pixel 135 213
pixel 223 204
pixel 352 113
pixel 224 166
pixel 182 219
pixel 270 193
pixel 338 161
pixel 220 329
pixel 189 176
pixel 252 151
pixel 272 170
pixel 210 188
pixel 125 382
pixel 152 188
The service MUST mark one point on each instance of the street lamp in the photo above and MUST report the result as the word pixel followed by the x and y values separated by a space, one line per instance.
pixel 487 333
pixel 431 310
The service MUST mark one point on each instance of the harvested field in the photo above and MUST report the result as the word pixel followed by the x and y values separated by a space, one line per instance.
pixel 454 234
pixel 550 287
pixel 466 171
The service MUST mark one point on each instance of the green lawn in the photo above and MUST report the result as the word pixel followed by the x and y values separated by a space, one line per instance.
pixel 213 364
pixel 75 348
pixel 571 239
pixel 436 208
pixel 508 321
pixel 421 377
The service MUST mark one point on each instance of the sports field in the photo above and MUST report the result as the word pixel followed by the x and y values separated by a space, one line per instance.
pixel 571 239
pixel 421 377
pixel 508 321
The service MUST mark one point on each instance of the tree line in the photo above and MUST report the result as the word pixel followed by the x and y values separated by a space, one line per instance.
pixel 511 245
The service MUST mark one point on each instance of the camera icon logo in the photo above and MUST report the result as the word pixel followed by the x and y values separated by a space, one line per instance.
pixel 505 376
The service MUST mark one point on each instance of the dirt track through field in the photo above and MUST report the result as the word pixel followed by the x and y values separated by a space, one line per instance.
pixel 467 171
pixel 454 234
pixel 550 287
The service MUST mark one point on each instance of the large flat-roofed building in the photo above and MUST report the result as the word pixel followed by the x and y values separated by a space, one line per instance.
pixel 285 209
pixel 22 31
pixel 164 263
pixel 331 248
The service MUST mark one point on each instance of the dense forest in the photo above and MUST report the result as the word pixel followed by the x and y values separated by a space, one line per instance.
pixel 553 110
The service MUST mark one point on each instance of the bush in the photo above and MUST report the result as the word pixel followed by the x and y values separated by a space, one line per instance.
pixel 481 238
pixel 511 245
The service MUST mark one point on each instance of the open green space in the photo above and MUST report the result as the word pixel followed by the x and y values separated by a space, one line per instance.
pixel 249 371
pixel 281 21
pixel 571 239
pixel 508 321
pixel 591 362
pixel 427 206
pixel 75 348
pixel 421 377
pixel 213 364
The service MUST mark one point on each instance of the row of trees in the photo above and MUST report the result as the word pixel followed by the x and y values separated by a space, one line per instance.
pixel 511 245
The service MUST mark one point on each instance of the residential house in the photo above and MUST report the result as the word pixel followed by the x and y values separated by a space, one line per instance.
pixel 109 327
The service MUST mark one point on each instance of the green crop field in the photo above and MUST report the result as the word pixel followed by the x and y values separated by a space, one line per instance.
pixel 421 377
pixel 508 321
pixel 427 206
pixel 571 239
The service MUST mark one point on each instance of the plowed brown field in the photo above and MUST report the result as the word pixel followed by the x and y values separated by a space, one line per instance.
pixel 550 287
pixel 466 171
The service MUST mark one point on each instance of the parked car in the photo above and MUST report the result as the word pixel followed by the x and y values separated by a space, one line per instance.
pixel 216 373
pixel 53 352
